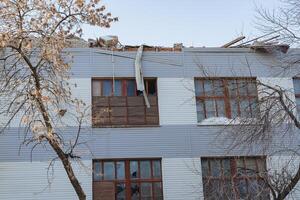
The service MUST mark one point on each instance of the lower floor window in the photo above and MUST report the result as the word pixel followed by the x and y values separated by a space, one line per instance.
pixel 234 178
pixel 127 179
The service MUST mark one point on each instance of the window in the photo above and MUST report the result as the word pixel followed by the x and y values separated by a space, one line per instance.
pixel 226 97
pixel 297 93
pixel 117 103
pixel 136 179
pixel 232 178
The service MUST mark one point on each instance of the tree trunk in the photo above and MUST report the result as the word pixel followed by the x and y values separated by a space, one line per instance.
pixel 68 168
pixel 290 187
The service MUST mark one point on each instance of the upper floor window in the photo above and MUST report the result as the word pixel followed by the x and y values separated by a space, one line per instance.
pixel 118 103
pixel 127 179
pixel 226 97
pixel 231 178
pixel 297 93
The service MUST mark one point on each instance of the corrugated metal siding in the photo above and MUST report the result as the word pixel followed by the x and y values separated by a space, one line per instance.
pixel 28 181
pixel 182 178
pixel 91 62
pixel 171 141
pixel 282 162
pixel 176 101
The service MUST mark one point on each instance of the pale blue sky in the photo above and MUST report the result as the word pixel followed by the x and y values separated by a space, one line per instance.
pixel 192 22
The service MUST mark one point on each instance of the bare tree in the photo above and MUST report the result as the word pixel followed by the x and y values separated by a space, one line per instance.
pixel 34 69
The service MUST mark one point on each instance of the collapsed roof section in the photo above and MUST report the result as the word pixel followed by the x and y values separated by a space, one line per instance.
pixel 112 42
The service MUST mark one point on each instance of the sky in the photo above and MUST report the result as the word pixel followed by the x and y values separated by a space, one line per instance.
pixel 197 23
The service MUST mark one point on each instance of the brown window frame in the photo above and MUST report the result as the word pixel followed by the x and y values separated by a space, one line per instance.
pixel 226 97
pixel 128 181
pixel 133 114
pixel 234 177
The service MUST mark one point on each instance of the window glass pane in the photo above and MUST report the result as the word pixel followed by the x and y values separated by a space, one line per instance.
pixel 96 85
pixel 254 107
pixel 252 88
pixel 232 88
pixel 145 167
pixel 157 190
pixel 151 87
pixel 135 191
pixel 121 191
pixel 118 88
pixel 156 169
pixel 241 187
pixel 200 111
pixel 227 190
pixel 215 167
pixel 210 108
pixel 109 171
pixel 253 189
pixel 240 167
pixel 221 108
pixel 226 167
pixel 208 88
pixel 242 87
pixel 146 191
pixel 234 108
pixel 261 165
pixel 296 85
pixel 198 88
pixel 205 167
pixel 107 88
pixel 120 170
pixel 219 88
pixel 298 105
pixel 131 88
pixel 245 108
pixel 97 171
pixel 134 169
pixel 250 166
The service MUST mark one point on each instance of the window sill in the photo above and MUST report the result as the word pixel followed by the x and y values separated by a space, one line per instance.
pixel 222 121
pixel 127 126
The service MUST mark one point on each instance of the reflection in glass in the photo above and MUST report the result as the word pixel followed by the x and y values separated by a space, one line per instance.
pixel 120 170
pixel 145 167
pixel 107 88
pixel 118 88
pixel 156 169
pixel 97 171
pixel 131 88
pixel 109 171
pixel 146 191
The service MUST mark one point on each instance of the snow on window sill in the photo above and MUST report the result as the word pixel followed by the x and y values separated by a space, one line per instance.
pixel 216 121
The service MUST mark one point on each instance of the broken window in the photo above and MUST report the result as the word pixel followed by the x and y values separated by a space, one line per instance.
pixel 226 97
pixel 117 103
pixel 128 179
pixel 231 178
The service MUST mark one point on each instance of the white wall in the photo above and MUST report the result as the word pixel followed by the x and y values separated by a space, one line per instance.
pixel 28 181
pixel 182 178
pixel 176 100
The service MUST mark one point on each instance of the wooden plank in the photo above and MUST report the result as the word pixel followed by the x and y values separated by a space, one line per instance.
pixel 103 191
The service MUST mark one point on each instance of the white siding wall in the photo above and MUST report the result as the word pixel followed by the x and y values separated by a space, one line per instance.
pixel 176 100
pixel 82 91
pixel 182 178
pixel 285 163
pixel 28 181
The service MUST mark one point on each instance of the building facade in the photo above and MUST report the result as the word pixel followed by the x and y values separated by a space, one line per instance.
pixel 168 151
